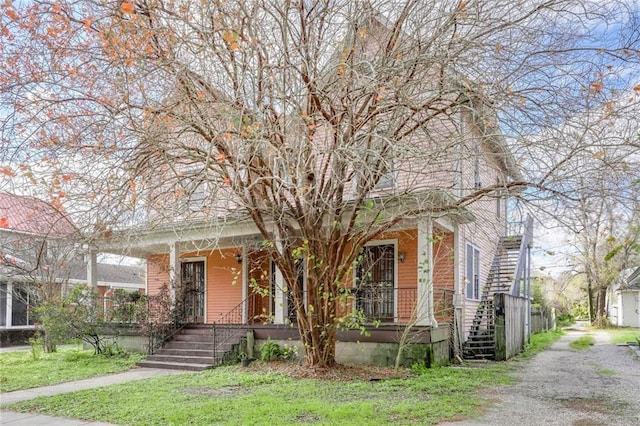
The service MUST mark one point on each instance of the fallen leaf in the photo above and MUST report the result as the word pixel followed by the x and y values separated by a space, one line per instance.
pixel 127 8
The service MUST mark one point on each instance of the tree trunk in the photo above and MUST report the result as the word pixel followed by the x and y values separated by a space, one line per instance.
pixel 48 343
pixel 320 348
pixel 317 321
pixel 601 308
pixel 590 300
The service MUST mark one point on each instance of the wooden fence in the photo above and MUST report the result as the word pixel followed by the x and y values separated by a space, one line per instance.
pixel 510 323
pixel 542 320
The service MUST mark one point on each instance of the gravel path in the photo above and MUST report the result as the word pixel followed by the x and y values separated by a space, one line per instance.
pixel 562 386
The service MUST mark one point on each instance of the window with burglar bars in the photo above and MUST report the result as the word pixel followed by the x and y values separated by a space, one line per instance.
pixel 193 290
pixel 375 282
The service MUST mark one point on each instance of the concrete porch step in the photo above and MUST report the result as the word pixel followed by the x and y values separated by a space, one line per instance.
pixel 197 337
pixel 186 352
pixel 174 365
pixel 180 359
pixel 189 345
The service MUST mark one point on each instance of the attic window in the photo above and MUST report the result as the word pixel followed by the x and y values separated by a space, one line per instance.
pixel 387 180
pixel 196 193
pixel 376 159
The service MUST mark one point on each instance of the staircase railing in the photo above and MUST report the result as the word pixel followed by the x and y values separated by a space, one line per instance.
pixel 163 320
pixel 226 328
pixel 521 273
pixel 523 231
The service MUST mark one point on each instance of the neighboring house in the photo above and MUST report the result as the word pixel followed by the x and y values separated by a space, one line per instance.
pixel 215 266
pixel 41 256
pixel 624 299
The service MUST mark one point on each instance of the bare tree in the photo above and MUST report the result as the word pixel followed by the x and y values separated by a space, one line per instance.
pixel 299 114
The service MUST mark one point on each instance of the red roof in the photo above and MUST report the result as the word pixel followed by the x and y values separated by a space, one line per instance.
pixel 27 214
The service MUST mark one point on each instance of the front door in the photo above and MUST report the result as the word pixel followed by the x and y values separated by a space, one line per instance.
pixel 375 280
pixel 193 285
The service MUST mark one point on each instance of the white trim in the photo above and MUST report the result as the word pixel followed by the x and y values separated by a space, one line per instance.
pixel 245 284
pixel 475 247
pixel 174 270
pixel 9 304
pixel 425 277
pixel 446 223
pixel 92 268
pixel 280 313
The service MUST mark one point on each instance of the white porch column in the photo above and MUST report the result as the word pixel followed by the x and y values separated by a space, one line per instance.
pixel 174 270
pixel 92 269
pixel 8 315
pixel 245 284
pixel 425 274
pixel 280 314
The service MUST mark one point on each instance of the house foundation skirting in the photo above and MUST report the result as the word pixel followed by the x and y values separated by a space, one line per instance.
pixel 377 346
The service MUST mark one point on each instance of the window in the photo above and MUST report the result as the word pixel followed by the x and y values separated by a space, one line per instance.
pixel 473 272
pixel 375 282
pixel 3 304
pixel 375 159
pixel 197 192
pixel 387 180
pixel 21 304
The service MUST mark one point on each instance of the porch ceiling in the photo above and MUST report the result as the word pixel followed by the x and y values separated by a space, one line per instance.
pixel 191 236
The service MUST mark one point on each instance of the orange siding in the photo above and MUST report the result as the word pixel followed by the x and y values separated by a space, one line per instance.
pixel 443 257
pixel 407 272
pixel 443 275
pixel 259 280
pixel 157 273
pixel 223 281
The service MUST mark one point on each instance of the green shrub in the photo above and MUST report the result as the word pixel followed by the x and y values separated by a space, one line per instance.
pixel 289 353
pixel 37 346
pixel 270 351
pixel 565 320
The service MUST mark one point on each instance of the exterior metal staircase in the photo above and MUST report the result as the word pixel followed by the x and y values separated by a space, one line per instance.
pixel 505 276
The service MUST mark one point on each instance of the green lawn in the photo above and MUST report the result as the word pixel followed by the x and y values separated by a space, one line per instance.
pixel 230 395
pixel 19 370
pixel 623 335
pixel 233 395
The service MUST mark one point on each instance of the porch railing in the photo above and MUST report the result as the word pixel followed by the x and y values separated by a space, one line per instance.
pixel 378 303
pixel 155 315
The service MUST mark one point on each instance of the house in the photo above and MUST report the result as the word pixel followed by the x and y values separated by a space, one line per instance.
pixel 41 257
pixel 435 270
pixel 217 269
pixel 624 299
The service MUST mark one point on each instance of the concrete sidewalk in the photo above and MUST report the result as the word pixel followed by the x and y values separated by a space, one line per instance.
pixel 29 419
pixel 96 382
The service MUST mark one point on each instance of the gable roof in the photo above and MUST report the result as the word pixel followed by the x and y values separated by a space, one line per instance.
pixel 633 281
pixel 33 216
pixel 111 274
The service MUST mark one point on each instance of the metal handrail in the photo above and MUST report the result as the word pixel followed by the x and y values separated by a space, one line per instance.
pixel 521 264
pixel 222 335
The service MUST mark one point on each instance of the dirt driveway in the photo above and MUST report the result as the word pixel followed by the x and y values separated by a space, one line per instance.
pixel 562 386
